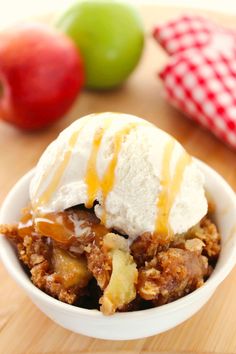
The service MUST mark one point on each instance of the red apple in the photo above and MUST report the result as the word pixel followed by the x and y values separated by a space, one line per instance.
pixel 41 74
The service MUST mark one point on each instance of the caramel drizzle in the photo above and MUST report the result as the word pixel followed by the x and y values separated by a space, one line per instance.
pixel 108 179
pixel 106 183
pixel 170 187
pixel 49 191
pixel 163 201
pixel 92 179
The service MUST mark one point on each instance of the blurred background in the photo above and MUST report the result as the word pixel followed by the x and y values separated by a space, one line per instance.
pixel 13 10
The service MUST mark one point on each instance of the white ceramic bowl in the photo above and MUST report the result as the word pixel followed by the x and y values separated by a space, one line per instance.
pixel 136 324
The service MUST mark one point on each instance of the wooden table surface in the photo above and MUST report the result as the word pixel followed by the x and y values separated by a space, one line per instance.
pixel 23 328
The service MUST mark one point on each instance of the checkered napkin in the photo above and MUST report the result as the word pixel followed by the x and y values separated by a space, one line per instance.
pixel 200 77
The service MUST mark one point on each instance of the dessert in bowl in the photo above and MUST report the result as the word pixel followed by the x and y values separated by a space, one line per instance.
pixel 117 221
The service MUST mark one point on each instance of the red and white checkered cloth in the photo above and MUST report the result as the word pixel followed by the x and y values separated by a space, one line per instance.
pixel 200 77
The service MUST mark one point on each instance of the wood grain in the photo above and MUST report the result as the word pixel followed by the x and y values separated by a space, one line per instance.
pixel 23 328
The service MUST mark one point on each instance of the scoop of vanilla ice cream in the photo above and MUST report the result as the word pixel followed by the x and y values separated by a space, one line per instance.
pixel 141 178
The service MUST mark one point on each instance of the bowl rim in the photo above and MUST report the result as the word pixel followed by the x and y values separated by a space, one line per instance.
pixel 211 284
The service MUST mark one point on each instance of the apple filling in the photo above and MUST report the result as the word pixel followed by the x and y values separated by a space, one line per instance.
pixel 71 256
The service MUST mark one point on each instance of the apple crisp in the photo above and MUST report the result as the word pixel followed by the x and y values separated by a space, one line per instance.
pixel 71 256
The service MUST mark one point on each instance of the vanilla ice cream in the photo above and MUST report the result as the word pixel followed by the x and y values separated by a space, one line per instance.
pixel 139 178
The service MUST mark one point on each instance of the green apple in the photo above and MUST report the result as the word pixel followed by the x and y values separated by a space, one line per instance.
pixel 110 37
